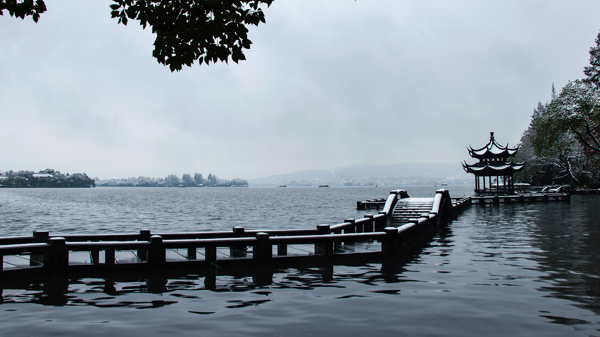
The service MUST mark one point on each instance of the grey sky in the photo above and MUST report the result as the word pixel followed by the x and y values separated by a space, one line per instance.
pixel 326 84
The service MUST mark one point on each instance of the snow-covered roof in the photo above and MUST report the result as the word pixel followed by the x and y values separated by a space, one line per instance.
pixel 492 150
pixel 493 168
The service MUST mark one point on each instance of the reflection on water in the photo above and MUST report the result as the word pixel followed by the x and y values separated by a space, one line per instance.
pixel 504 270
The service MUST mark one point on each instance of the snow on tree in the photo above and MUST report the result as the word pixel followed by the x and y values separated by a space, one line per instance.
pixel 593 70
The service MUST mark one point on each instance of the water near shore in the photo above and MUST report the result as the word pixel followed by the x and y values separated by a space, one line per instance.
pixel 518 270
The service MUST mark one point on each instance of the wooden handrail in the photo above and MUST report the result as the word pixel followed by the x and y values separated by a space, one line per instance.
pixel 53 251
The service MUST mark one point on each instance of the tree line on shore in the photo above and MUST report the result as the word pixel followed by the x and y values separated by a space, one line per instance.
pixel 187 180
pixel 562 143
pixel 53 178
pixel 45 178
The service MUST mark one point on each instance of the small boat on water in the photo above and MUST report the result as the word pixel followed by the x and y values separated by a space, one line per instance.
pixel 324 185
pixel 282 186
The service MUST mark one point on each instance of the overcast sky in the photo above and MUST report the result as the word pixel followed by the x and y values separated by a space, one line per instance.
pixel 325 84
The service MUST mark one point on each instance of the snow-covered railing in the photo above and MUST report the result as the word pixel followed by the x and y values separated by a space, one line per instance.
pixel 53 254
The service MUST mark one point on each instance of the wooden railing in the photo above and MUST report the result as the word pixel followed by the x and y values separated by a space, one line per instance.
pixel 51 254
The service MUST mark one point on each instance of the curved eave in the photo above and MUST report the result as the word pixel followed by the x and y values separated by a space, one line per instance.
pixel 506 153
pixel 505 169
pixel 493 150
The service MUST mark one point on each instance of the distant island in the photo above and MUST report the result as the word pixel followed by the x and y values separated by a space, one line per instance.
pixel 45 178
pixel 53 178
pixel 187 180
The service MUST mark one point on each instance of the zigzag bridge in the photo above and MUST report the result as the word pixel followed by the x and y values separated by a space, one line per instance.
pixel 402 223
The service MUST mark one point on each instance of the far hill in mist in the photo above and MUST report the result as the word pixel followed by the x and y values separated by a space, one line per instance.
pixel 370 175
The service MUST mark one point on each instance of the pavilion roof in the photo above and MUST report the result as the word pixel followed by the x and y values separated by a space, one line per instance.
pixel 492 150
pixel 497 168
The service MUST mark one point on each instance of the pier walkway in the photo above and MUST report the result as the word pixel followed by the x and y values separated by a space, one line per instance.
pixel 402 223
pixel 521 198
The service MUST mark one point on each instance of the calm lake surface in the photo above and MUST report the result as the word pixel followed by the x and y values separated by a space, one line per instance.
pixel 505 270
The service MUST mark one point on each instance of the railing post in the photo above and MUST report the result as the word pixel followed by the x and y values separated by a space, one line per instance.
pixel 350 229
pixel 429 224
pixel 238 250
pixel 210 254
pixel 263 251
pixel 95 256
pixel 281 249
pixel 360 228
pixel 59 256
pixel 389 246
pixel 144 236
pixel 381 222
pixel 157 256
pixel 370 226
pixel 109 256
pixel 191 253
pixel 323 230
pixel 41 236
pixel 36 259
pixel 327 248
pixel 337 245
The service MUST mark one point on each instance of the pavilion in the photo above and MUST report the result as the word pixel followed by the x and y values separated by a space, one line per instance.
pixel 494 170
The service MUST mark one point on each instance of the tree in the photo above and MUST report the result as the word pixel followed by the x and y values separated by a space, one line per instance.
pixel 564 135
pixel 187 180
pixel 546 164
pixel 238 182
pixel 172 180
pixel 593 70
pixel 198 179
pixel 21 9
pixel 186 31
pixel 211 180
pixel 576 110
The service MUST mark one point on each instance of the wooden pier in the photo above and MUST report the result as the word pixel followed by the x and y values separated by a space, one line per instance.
pixel 370 204
pixel 521 198
pixel 402 223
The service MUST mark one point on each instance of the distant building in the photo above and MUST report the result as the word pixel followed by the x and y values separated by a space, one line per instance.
pixel 494 170
pixel 41 175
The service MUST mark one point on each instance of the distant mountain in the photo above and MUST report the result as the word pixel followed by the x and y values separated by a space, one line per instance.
pixel 370 175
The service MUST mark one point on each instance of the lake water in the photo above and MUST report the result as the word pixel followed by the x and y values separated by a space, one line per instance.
pixel 505 270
